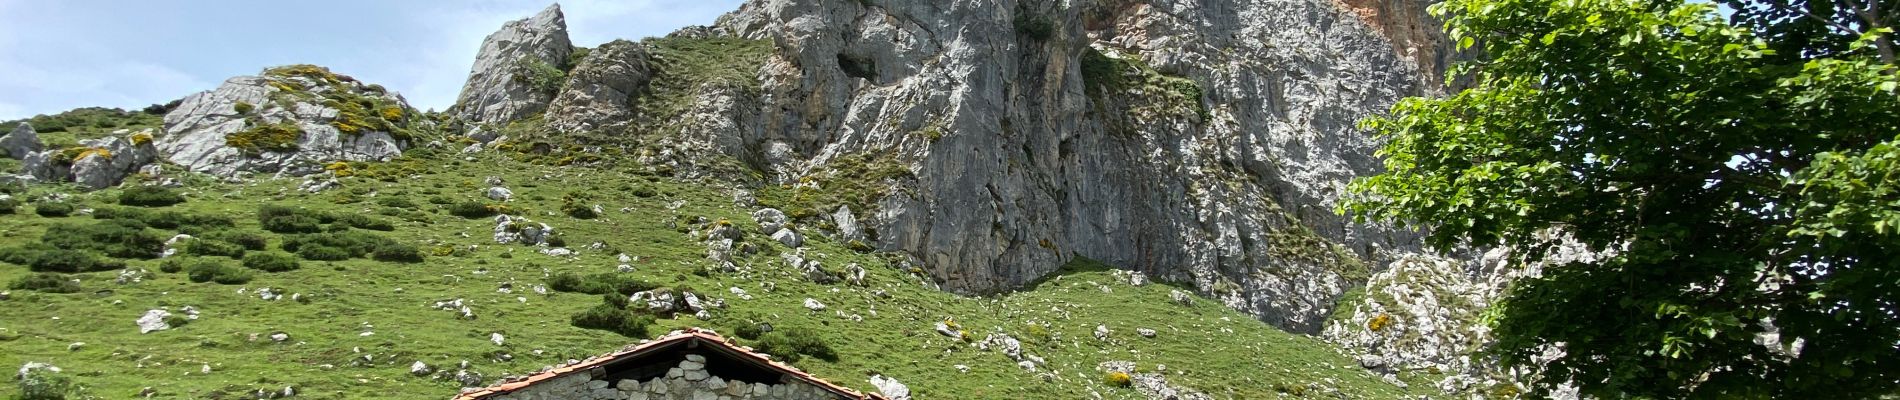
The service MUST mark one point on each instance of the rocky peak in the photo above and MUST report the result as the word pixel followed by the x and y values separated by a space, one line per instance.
pixel 518 71
pixel 289 120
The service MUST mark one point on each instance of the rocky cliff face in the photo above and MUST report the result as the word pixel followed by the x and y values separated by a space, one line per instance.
pixel 517 70
pixel 290 121
pixel 1203 142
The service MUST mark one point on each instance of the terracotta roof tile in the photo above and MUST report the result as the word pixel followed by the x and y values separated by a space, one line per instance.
pixel 703 335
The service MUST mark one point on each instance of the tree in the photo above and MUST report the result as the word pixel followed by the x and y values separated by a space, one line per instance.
pixel 1742 178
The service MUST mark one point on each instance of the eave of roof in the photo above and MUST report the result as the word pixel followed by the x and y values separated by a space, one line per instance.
pixel 719 343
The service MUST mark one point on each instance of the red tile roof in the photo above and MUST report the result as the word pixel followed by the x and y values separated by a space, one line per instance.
pixel 720 343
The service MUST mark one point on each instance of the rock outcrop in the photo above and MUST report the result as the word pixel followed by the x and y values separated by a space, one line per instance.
pixel 23 140
pixel 95 163
pixel 1202 142
pixel 289 121
pixel 599 91
pixel 517 71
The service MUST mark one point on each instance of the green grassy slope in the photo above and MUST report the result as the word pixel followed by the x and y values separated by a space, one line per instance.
pixel 1203 345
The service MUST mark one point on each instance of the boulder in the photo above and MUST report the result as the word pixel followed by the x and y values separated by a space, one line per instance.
pixel 23 140
pixel 95 163
pixel 848 228
pixel 789 238
pixel 814 305
pixel 502 84
pixel 153 321
pixel 890 387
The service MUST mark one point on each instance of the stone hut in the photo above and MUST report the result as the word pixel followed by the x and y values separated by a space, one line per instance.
pixel 692 364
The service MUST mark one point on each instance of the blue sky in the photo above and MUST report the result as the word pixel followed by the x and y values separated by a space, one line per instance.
pixel 59 55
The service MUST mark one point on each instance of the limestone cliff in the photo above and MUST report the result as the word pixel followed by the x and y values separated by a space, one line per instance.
pixel 1203 142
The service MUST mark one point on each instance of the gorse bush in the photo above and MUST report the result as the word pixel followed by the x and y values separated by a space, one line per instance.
pixel 270 262
pixel 283 219
pixel 396 252
pixel 323 253
pixel 1118 379
pixel 601 283
pixel 183 222
pixel 52 209
pixel 613 319
pixel 360 221
pixel 210 270
pixel 355 243
pixel 42 258
pixel 791 344
pixel 46 283
pixel 249 240
pixel 212 247
pixel 116 238
pixel 150 196
pixel 43 384
pixel 472 210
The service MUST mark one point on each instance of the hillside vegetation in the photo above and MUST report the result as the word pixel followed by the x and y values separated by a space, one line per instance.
pixel 356 318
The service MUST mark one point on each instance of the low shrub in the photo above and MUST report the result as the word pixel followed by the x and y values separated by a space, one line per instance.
pixel 579 211
pixel 52 209
pixel 45 283
pixel 9 206
pixel 1118 379
pixel 208 270
pixel 355 243
pixel 117 238
pixel 396 252
pixel 601 283
pixel 613 319
pixel 323 253
pixel 150 196
pixel 270 262
pixel 472 210
pixel 791 344
pixel 43 384
pixel 249 240
pixel 395 201
pixel 212 247
pixel 361 221
pixel 172 265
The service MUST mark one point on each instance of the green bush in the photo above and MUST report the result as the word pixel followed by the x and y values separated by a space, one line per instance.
pixel 360 221
pixel 249 240
pixel 791 344
pixel 356 243
pixel 52 209
pixel 47 283
pixel 283 219
pixel 579 211
pixel 270 262
pixel 9 206
pixel 150 196
pixel 212 247
pixel 323 253
pixel 472 210
pixel 601 283
pixel 183 222
pixel 609 318
pixel 396 252
pixel 396 201
pixel 40 384
pixel 71 261
pixel 208 270
pixel 1035 27
pixel 117 238
pixel 172 265
pixel 748 331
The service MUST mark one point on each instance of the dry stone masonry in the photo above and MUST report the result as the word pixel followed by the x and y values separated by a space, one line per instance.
pixel 688 381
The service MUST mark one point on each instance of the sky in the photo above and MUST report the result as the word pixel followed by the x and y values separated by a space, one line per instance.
pixel 60 55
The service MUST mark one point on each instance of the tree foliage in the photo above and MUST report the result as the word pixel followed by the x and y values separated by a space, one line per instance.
pixel 1740 178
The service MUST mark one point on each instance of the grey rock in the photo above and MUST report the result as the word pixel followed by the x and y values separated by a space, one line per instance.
pixel 890 387
pixel 23 140
pixel 600 90
pixel 496 91
pixel 814 305
pixel 498 193
pixel 197 130
pixel 848 228
pixel 789 238
pixel 1145 332
pixel 420 369
pixel 153 321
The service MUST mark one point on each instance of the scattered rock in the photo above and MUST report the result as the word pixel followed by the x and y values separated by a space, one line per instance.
pixel 813 304
pixel 495 337
pixel 153 321
pixel 789 238
pixel 890 387
pixel 23 140
pixel 1145 332
pixel 279 337
pixel 1101 332
pixel 498 193
pixel 420 369
pixel 1180 297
